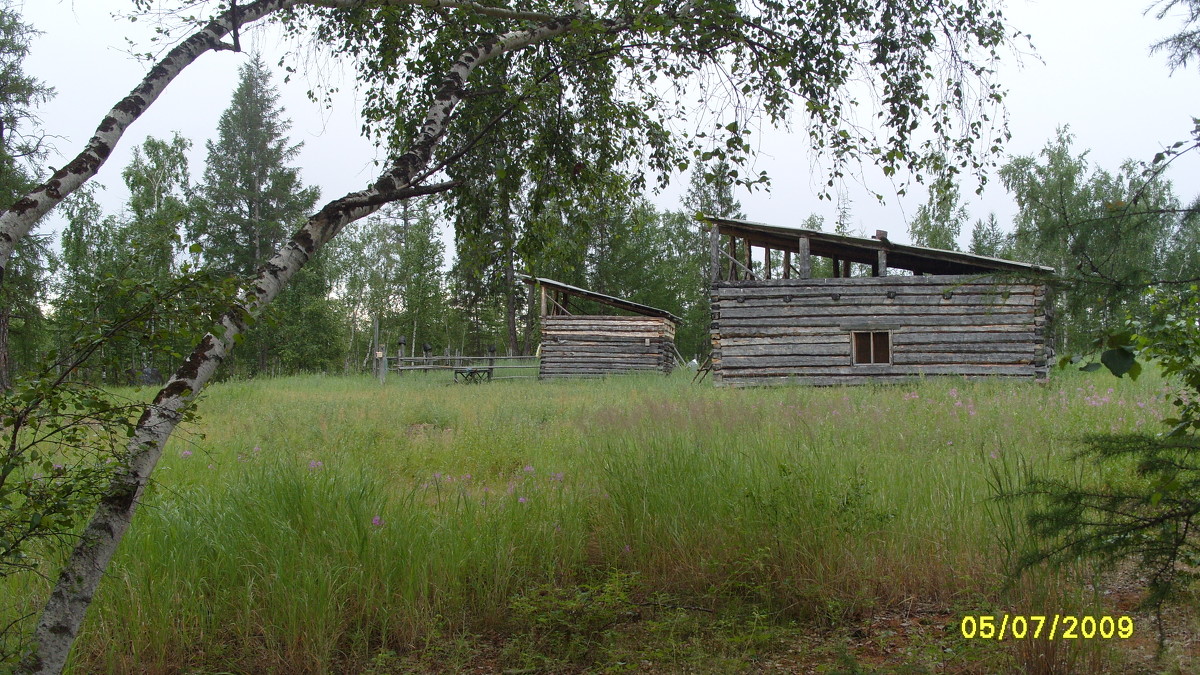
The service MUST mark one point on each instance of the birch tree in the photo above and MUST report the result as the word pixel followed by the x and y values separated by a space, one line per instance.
pixel 421 63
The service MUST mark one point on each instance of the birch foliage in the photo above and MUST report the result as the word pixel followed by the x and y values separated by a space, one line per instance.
pixel 440 75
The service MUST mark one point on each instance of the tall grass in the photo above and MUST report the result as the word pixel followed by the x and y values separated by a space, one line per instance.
pixel 319 522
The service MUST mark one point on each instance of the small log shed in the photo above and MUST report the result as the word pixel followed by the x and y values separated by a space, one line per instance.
pixel 922 311
pixel 594 345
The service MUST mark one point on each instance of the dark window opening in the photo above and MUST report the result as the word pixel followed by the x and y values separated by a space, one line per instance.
pixel 871 347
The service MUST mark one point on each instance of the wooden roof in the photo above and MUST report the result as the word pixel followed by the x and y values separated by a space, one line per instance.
pixel 611 301
pixel 917 259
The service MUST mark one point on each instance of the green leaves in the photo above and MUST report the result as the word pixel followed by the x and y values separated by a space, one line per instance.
pixel 1120 361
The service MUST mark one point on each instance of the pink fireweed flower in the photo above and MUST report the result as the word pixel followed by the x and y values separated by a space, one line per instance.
pixel 522 500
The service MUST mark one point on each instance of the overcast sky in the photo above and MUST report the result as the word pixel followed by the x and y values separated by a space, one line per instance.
pixel 1092 70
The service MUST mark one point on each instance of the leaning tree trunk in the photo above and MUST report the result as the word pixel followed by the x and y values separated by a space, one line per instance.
pixel 5 362
pixel 77 583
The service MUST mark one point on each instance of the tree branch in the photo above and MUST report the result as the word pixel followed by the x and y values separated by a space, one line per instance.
pixel 77 583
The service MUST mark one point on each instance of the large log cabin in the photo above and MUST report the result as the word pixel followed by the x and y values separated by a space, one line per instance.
pixel 880 312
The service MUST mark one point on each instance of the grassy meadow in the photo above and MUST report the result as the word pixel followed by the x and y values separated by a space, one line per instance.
pixel 635 524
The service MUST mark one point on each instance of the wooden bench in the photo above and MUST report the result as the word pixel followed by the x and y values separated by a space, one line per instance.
pixel 472 375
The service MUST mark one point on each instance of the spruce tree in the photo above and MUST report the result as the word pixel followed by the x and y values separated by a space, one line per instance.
pixel 23 291
pixel 251 202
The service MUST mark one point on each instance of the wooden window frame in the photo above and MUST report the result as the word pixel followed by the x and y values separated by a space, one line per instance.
pixel 878 341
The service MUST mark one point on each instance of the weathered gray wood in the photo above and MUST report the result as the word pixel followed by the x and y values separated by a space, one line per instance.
pixel 866 306
pixel 881 268
pixel 947 281
pixel 961 338
pixel 951 358
pixel 840 350
pixel 869 371
pixel 913 314
pixel 842 338
pixel 838 321
pixel 804 259
pixel 927 296
pixel 714 253
pixel 598 345
pixel 849 289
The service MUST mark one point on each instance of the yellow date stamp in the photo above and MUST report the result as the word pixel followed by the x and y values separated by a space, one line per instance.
pixel 1048 626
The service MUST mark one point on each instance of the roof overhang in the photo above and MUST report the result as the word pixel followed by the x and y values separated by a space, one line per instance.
pixel 609 300
pixel 916 259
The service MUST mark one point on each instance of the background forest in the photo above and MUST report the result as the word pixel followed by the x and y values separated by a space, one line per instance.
pixel 396 267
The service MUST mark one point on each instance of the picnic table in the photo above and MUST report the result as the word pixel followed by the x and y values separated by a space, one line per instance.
pixel 473 375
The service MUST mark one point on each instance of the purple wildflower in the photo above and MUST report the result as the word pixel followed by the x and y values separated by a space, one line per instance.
pixel 377 521
pixel 528 468
pixel 314 465
pixel 185 454
pixel 522 500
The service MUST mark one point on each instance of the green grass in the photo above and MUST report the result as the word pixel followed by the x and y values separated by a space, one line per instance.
pixel 334 525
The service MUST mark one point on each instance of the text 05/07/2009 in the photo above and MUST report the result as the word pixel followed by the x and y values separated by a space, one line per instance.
pixel 1049 627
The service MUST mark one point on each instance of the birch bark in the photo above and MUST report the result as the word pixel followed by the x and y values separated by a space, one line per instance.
pixel 73 591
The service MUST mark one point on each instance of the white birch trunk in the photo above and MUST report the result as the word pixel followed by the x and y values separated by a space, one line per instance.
pixel 68 602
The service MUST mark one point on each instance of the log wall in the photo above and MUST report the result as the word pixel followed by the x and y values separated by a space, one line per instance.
pixel 581 345
pixel 799 330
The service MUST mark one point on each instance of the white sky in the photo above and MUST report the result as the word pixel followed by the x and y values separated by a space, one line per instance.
pixel 1092 71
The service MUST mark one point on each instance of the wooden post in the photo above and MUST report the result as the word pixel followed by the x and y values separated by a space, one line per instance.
pixel 766 263
pixel 714 252
pixel 380 363
pixel 846 268
pixel 837 267
pixel 733 273
pixel 543 301
pixel 881 265
pixel 787 264
pixel 749 262
pixel 804 259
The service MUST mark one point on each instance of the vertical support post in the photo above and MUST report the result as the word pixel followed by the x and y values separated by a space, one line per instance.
pixel 881 269
pixel 749 262
pixel 787 264
pixel 380 362
pixel 804 259
pixel 733 273
pixel 837 267
pixel 766 262
pixel 543 315
pixel 714 252
pixel 846 268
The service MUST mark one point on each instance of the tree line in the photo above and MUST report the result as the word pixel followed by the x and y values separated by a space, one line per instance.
pixel 392 269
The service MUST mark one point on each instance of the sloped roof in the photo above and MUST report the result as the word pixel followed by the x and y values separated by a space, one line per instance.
pixel 917 259
pixel 611 301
